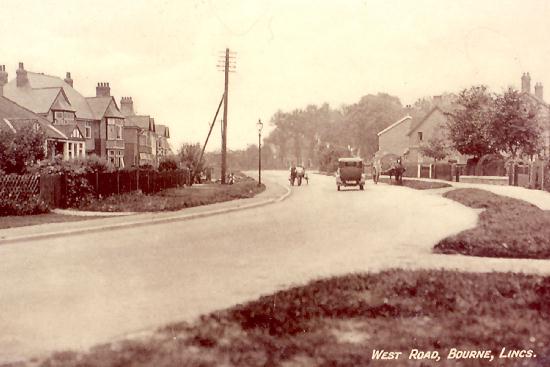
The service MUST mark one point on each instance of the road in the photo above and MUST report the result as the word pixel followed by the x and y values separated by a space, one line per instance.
pixel 76 291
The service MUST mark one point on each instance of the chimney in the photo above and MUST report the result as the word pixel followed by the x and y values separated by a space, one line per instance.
pixel 103 90
pixel 68 79
pixel 3 79
pixel 22 78
pixel 437 100
pixel 526 83
pixel 538 91
pixel 127 106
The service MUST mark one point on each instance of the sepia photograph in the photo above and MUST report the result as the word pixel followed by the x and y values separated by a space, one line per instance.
pixel 274 183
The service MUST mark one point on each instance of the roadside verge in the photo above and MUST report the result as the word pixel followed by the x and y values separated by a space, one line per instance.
pixel 273 193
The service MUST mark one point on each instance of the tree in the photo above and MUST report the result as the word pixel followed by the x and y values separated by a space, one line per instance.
pixel 469 123
pixel 189 155
pixel 21 149
pixel 514 128
pixel 435 148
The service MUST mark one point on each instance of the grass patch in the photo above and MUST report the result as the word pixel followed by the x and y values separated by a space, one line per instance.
pixel 31 220
pixel 177 198
pixel 417 184
pixel 339 321
pixel 507 228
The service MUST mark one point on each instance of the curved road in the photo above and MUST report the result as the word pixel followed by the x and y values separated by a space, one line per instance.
pixel 76 291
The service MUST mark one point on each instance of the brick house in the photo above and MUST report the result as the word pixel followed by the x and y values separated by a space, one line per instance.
pixel 163 146
pixel 54 99
pixel 65 140
pixel 48 108
pixel 109 140
pixel 406 136
pixel 140 135
pixel 542 114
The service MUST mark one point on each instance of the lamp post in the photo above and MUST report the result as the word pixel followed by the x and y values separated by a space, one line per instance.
pixel 259 126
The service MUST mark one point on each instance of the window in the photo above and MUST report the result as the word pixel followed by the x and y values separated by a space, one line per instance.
pixel 114 129
pixel 88 130
pixel 70 150
pixel 58 118
pixel 111 156
pixel 420 136
pixel 68 116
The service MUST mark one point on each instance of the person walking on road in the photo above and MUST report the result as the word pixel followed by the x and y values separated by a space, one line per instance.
pixel 292 174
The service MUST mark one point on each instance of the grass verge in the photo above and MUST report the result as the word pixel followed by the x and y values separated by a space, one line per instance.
pixel 177 198
pixel 31 220
pixel 507 228
pixel 340 321
pixel 417 184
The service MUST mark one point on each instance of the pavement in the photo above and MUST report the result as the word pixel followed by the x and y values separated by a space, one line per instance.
pixel 95 286
pixel 273 193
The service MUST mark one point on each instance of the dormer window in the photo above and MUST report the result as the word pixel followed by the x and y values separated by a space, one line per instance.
pixel 63 117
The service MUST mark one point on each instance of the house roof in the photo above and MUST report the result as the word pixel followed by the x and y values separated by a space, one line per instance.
pixel 536 99
pixel 104 107
pixel 394 125
pixel 141 121
pixel 17 115
pixel 27 94
pixel 163 130
pixel 37 100
pixel 68 130
pixel 422 120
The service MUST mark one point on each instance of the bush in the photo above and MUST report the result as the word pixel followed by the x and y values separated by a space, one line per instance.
pixel 169 163
pixel 26 206
pixel 79 191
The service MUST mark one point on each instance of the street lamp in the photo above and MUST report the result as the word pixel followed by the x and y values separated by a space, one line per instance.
pixel 259 126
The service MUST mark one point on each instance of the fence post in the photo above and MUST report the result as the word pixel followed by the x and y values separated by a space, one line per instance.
pixel 542 175
pixel 97 183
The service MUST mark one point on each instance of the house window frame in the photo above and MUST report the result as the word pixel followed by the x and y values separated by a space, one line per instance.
pixel 88 129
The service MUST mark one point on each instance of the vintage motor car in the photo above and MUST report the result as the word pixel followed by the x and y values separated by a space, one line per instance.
pixel 350 173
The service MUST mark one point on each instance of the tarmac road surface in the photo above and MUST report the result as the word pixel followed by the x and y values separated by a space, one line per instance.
pixel 76 291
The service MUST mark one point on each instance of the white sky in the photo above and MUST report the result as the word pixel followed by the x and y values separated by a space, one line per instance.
pixel 290 53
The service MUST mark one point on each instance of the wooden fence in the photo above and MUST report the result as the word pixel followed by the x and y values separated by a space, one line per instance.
pixel 54 188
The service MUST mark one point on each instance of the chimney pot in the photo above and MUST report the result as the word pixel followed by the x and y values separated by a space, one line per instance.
pixel 21 77
pixel 103 90
pixel 68 79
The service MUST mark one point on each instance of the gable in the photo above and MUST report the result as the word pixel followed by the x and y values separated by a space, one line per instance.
pixel 432 120
pixel 76 134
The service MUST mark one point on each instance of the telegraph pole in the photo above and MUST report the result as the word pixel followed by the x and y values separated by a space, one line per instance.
pixel 228 66
pixel 224 125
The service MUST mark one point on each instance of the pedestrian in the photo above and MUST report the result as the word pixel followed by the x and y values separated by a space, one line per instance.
pixel 377 167
pixel 292 174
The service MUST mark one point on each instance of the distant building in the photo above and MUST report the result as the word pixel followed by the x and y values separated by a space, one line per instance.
pixel 163 146
pixel 141 139
pixel 543 109
pixel 406 136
